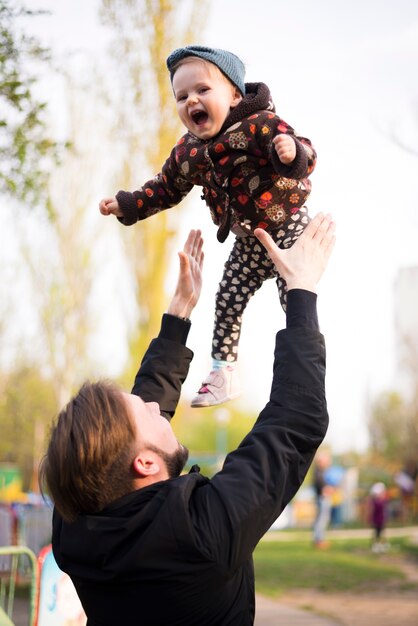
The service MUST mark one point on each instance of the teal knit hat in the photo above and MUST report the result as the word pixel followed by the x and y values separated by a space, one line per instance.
pixel 228 63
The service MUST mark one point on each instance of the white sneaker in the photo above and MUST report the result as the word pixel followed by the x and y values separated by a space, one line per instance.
pixel 220 386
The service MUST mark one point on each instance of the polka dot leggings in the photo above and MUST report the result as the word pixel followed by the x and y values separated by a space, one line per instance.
pixel 247 267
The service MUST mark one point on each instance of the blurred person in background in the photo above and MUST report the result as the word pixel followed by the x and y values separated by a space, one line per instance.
pixel 323 498
pixel 378 516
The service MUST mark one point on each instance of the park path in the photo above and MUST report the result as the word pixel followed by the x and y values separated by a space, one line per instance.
pixel 268 613
pixel 273 613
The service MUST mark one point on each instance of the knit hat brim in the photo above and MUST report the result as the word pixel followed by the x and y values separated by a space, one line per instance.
pixel 228 63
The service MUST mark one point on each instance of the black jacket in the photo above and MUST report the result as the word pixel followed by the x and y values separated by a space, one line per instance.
pixel 179 553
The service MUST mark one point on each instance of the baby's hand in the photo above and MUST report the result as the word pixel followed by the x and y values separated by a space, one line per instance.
pixel 110 206
pixel 285 148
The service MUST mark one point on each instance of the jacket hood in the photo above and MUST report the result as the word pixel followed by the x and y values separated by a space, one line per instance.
pixel 108 545
pixel 257 98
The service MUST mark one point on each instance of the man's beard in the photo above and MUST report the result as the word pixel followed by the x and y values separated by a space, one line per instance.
pixel 175 461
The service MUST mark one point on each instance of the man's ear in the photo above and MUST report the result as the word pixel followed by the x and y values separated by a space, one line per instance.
pixel 146 464
pixel 236 97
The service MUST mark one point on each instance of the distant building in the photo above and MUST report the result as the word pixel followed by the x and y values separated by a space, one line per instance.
pixel 406 324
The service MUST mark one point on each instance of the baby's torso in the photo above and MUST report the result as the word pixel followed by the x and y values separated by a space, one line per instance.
pixel 237 175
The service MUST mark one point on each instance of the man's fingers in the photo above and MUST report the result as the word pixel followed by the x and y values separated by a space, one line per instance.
pixel 197 244
pixel 329 239
pixel 326 235
pixel 194 246
pixel 199 252
pixel 192 242
pixel 312 228
pixel 262 236
pixel 320 227
pixel 320 232
pixel 184 262
pixel 265 239
pixel 188 246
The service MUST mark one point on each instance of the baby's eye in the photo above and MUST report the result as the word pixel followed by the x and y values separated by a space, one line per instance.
pixel 203 89
pixel 181 98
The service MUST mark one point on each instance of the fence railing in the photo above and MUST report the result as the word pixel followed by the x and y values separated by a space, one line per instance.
pixel 15 562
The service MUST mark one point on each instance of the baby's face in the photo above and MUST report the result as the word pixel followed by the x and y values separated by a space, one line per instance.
pixel 204 97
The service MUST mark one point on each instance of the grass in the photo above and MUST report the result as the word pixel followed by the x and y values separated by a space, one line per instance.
pixel 348 565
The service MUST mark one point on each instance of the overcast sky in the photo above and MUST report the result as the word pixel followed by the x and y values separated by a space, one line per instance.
pixel 343 74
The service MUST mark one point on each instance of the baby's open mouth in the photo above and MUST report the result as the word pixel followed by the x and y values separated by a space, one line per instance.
pixel 199 117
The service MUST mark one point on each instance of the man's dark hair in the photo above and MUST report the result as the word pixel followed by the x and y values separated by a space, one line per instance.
pixel 92 445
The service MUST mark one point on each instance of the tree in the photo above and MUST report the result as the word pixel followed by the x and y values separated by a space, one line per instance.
pixel 26 150
pixel 386 424
pixel 393 427
pixel 28 404
pixel 61 265
pixel 146 128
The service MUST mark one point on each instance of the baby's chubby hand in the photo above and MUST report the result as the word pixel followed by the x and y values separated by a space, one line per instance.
pixel 285 148
pixel 110 206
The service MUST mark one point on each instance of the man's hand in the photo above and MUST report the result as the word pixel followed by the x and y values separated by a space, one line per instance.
pixel 110 206
pixel 303 264
pixel 189 283
pixel 285 148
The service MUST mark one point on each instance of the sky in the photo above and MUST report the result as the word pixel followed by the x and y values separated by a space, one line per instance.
pixel 343 74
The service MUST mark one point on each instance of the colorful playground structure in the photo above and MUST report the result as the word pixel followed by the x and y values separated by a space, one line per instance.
pixel 33 590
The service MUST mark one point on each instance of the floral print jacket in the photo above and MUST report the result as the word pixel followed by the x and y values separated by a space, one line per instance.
pixel 244 183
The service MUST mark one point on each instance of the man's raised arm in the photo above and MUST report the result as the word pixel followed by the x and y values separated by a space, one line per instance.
pixel 166 363
pixel 262 475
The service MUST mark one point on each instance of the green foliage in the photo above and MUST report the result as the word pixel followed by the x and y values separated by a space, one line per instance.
pixel 347 565
pixel 211 433
pixel 28 403
pixel 393 427
pixel 25 149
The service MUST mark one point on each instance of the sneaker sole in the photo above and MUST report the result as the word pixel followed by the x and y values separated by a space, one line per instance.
pixel 194 404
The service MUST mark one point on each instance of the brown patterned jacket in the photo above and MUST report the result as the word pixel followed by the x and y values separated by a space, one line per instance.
pixel 244 183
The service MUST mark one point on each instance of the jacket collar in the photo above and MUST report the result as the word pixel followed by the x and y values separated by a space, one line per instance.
pixel 257 98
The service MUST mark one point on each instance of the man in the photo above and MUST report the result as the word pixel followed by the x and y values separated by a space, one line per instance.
pixel 145 546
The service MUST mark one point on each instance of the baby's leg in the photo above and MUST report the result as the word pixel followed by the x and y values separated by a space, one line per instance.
pixel 244 273
pixel 285 237
pixel 247 267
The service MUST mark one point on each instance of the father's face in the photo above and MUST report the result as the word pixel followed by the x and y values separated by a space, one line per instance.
pixel 155 433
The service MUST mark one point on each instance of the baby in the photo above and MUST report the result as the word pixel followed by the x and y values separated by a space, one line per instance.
pixel 253 169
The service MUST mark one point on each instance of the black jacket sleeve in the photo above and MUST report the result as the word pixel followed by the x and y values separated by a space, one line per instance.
pixel 259 478
pixel 165 366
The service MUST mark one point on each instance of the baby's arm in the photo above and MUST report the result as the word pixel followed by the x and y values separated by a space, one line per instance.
pixel 162 192
pixel 292 156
